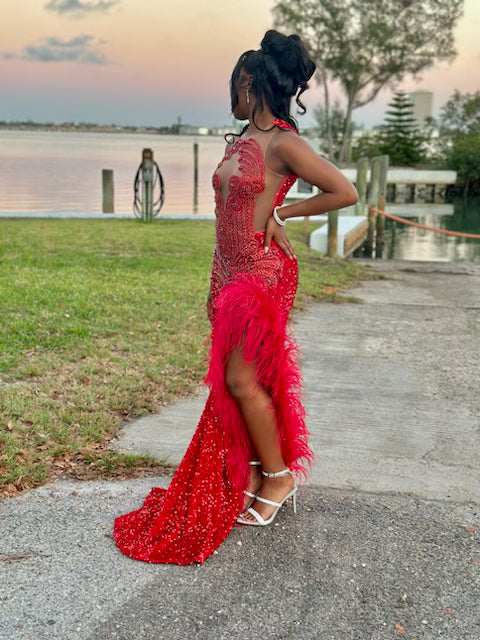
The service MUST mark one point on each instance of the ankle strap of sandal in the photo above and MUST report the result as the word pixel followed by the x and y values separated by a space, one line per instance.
pixel 276 474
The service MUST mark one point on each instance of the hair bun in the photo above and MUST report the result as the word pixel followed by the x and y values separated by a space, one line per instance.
pixel 289 54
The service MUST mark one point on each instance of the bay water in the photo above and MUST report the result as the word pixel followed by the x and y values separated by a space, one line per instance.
pixel 57 171
pixel 50 171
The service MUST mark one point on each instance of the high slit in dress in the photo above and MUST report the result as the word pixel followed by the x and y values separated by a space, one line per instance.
pixel 252 294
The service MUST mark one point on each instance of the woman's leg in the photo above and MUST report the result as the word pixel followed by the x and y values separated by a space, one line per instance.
pixel 256 408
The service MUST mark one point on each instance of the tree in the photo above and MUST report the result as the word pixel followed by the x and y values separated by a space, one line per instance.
pixel 464 157
pixel 460 114
pixel 459 132
pixel 367 45
pixel 369 145
pixel 330 131
pixel 400 136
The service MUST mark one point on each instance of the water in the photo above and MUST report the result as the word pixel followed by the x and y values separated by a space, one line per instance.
pixel 60 171
pixel 42 171
pixel 410 243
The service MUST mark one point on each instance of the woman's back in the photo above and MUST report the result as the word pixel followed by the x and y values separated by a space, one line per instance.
pixel 246 191
pixel 246 186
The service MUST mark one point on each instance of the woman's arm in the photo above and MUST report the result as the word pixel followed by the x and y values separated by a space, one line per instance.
pixel 301 159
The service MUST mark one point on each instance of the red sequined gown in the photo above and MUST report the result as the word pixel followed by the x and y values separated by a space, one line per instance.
pixel 252 293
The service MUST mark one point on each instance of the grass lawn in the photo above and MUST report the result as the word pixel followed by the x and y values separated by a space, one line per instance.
pixel 104 321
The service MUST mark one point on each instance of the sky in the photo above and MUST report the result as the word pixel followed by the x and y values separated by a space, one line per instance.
pixel 149 62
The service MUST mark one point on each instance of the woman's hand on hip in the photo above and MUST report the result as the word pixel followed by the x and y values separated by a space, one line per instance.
pixel 277 232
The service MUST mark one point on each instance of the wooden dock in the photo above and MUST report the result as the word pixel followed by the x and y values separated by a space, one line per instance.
pixel 351 234
pixel 341 232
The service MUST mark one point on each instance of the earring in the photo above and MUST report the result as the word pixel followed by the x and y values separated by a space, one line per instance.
pixel 248 96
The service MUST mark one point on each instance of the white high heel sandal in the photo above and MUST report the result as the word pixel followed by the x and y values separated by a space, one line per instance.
pixel 259 520
pixel 252 463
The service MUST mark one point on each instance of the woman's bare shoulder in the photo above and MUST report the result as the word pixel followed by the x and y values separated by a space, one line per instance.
pixel 286 139
pixel 286 145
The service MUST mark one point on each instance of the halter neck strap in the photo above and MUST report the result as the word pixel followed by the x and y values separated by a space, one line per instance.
pixel 278 122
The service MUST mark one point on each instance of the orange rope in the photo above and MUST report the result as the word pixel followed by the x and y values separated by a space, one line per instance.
pixel 424 226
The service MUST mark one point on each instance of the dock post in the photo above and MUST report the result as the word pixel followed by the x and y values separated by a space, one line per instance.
pixel 107 191
pixel 382 191
pixel 147 168
pixel 361 182
pixel 372 203
pixel 332 234
pixel 195 176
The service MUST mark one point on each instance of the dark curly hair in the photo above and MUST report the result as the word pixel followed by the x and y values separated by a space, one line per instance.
pixel 280 69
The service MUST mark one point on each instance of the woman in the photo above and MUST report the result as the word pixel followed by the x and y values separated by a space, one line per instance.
pixel 251 441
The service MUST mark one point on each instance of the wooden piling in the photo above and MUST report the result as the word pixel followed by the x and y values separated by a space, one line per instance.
pixel 361 183
pixel 107 191
pixel 195 176
pixel 332 234
pixel 382 193
pixel 373 190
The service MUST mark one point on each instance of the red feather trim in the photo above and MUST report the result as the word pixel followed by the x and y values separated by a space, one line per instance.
pixel 247 315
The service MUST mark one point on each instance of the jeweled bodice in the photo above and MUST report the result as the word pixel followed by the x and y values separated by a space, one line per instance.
pixel 234 217
pixel 239 248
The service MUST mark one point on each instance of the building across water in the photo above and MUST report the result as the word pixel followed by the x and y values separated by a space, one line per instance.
pixel 422 101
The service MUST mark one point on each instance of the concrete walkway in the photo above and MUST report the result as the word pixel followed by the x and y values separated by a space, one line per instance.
pixel 385 544
pixel 381 378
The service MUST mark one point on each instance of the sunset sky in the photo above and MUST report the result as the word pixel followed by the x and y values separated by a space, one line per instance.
pixel 146 62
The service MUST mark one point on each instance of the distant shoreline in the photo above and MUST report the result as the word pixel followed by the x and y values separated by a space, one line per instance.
pixel 172 130
pixel 70 127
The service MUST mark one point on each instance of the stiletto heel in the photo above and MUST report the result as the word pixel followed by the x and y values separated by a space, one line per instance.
pixel 259 520
pixel 252 496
